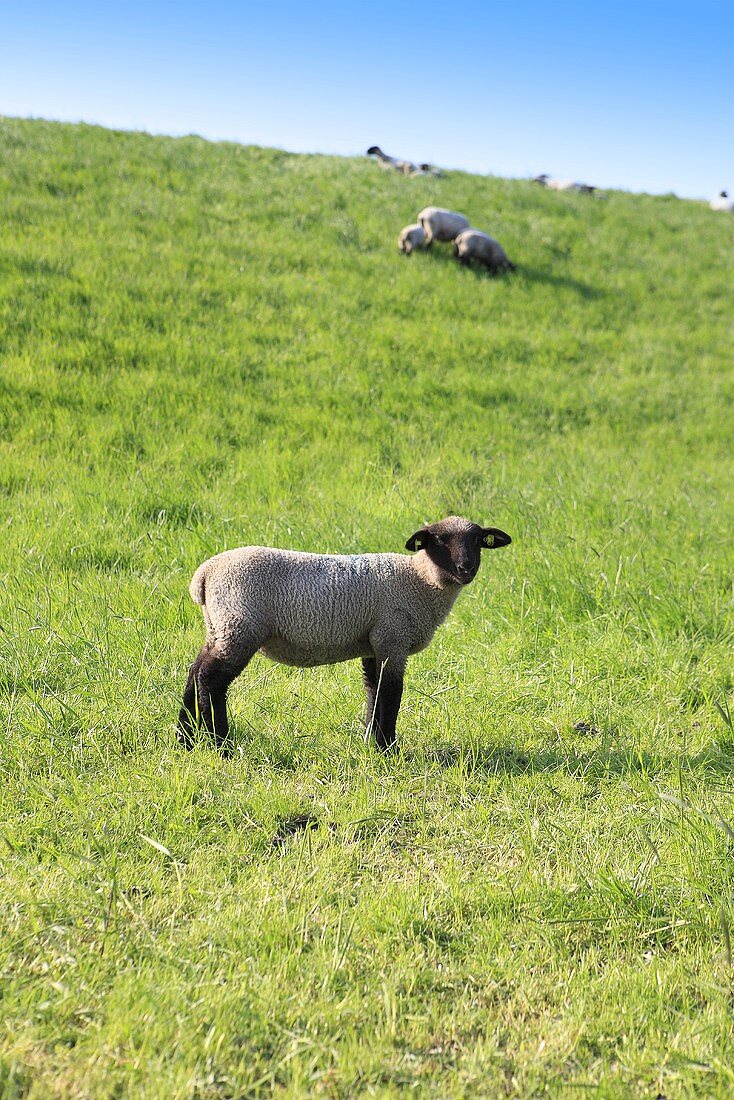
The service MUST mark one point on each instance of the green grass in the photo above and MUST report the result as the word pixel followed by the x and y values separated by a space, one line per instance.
pixel 203 346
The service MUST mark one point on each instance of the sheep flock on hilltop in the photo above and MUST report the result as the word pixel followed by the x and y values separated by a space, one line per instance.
pixel 437 224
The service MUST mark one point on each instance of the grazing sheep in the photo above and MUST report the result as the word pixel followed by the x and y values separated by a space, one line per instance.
pixel 441 225
pixel 564 185
pixel 472 244
pixel 405 167
pixel 316 609
pixel 411 238
pixel 723 202
pixel 429 170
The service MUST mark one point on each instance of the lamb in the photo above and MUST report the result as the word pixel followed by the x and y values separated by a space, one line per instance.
pixel 472 244
pixel 430 170
pixel 314 609
pixel 406 167
pixel 441 225
pixel 723 202
pixel 411 238
pixel 564 185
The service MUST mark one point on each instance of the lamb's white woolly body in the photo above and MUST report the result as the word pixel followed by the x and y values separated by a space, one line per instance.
pixel 411 238
pixel 473 244
pixel 441 225
pixel 312 609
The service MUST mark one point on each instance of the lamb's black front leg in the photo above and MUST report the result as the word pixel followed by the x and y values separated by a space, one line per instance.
pixel 383 681
pixel 389 694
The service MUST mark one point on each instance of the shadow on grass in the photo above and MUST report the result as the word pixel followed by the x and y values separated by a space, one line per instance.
pixel 499 759
pixel 529 274
pixel 563 282
pixel 291 826
pixel 494 759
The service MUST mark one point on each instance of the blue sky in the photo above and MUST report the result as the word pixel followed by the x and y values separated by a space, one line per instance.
pixel 628 94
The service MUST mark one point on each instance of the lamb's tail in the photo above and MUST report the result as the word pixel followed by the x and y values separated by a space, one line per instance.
pixel 197 588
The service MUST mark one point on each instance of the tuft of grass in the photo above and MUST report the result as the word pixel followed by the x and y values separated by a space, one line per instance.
pixel 207 345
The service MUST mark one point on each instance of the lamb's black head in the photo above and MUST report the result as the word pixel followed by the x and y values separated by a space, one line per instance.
pixel 373 149
pixel 542 179
pixel 723 194
pixel 455 545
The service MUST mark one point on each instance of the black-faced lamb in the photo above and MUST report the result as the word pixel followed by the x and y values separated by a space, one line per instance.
pixel 411 238
pixel 441 225
pixel 722 202
pixel 405 167
pixel 564 185
pixel 473 244
pixel 314 609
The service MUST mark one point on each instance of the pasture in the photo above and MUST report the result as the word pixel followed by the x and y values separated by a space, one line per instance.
pixel 208 345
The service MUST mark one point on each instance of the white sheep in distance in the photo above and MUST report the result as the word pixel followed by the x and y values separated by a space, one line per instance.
pixel 440 224
pixel 405 167
pixel 318 609
pixel 723 202
pixel 473 244
pixel 430 170
pixel 411 238
pixel 564 185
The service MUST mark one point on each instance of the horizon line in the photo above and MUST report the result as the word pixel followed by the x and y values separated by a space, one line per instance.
pixel 132 129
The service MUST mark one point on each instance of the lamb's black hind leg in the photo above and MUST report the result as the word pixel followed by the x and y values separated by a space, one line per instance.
pixel 189 716
pixel 205 695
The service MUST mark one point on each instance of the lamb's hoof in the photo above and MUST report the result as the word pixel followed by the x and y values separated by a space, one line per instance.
pixel 185 741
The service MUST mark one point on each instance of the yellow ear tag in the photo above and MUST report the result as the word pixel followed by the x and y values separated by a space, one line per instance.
pixel 490 543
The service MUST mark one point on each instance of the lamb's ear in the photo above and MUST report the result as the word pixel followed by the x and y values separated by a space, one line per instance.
pixel 493 538
pixel 419 539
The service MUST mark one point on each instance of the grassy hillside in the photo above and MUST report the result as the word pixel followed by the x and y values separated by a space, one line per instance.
pixel 203 346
